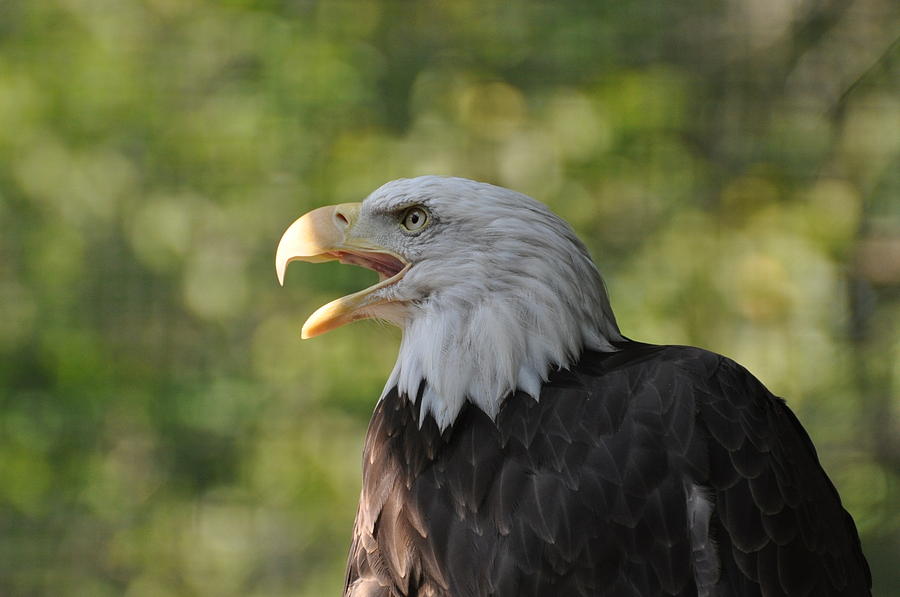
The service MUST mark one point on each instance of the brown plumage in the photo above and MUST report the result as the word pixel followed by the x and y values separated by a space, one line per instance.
pixel 584 492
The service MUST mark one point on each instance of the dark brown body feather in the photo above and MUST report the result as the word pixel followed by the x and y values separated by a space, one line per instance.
pixel 584 493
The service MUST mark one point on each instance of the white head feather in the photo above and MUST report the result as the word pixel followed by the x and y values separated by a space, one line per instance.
pixel 500 293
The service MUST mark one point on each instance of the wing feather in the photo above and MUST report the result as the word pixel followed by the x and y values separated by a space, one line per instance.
pixel 651 471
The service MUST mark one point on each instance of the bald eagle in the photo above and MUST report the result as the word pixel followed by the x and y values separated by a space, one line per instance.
pixel 524 447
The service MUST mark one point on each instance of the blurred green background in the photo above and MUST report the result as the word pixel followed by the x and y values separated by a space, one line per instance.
pixel 733 167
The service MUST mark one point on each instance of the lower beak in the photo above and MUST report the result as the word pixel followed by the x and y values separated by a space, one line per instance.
pixel 326 234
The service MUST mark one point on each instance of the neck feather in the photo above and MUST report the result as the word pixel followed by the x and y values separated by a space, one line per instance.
pixel 482 349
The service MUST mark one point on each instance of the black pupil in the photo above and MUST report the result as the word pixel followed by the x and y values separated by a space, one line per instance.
pixel 414 218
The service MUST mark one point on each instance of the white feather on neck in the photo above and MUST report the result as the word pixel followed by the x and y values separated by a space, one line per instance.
pixel 503 315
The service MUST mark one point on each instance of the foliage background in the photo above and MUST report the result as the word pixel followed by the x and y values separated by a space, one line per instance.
pixel 732 165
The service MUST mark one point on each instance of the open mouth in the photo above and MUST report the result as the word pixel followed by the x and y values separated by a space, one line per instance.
pixel 386 266
pixel 359 305
pixel 325 234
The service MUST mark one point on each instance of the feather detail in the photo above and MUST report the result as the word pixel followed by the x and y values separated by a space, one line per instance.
pixel 620 480
pixel 505 304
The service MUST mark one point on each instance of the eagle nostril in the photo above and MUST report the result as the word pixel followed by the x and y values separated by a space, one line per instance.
pixel 342 218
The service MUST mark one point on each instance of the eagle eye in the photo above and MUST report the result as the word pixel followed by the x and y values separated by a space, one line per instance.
pixel 414 219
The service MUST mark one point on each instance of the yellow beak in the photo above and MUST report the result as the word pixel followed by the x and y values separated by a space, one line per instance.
pixel 326 234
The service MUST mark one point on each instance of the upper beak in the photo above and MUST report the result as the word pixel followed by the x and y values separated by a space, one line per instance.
pixel 326 234
pixel 314 236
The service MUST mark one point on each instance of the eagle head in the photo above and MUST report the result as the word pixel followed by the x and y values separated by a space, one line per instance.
pixel 491 289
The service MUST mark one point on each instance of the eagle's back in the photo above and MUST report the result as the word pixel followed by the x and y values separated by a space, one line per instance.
pixel 649 471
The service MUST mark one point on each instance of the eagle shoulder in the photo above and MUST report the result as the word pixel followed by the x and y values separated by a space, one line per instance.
pixel 653 470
